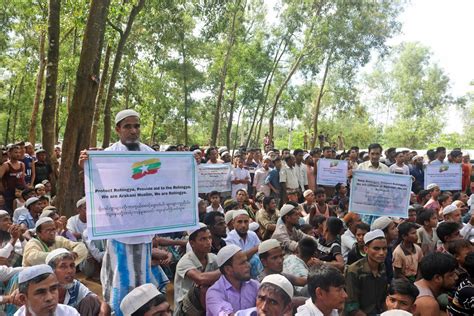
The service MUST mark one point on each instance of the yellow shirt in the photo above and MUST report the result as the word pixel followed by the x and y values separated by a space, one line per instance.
pixel 36 251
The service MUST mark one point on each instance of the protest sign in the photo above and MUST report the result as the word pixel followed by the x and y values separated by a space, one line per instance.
pixel 214 177
pixel 331 172
pixel 446 176
pixel 140 193
pixel 380 194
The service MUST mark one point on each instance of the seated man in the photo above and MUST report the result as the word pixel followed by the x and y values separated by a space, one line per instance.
pixel 22 210
pixel 298 265
pixel 145 300
pixel 234 290
pixel 267 217
pixel 198 267
pixel 366 279
pixel 273 297
pixel 39 295
pixel 78 223
pixel 216 223
pixel 37 249
pixel 438 276
pixel 447 232
pixel 71 291
pixel 326 290
pixel 92 265
pixel 28 220
pixel 402 295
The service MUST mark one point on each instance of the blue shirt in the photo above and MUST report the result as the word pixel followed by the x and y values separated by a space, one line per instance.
pixel 27 219
pixel 248 243
pixel 274 178
pixel 419 175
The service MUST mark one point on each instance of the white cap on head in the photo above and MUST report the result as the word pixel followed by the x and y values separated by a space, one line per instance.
pixel 201 225
pixel 306 156
pixel 30 201
pixel 39 186
pixel 81 202
pixel 396 312
pixel 239 212
pixel 32 272
pixel 124 114
pixel 449 209
pixel 307 192
pixel 254 226
pixel 381 223
pixel 268 245
pixel 374 234
pixel 432 186
pixel 266 157
pixel 43 220
pixel 197 151
pixel 138 297
pixel 224 153
pixel 53 254
pixel 46 213
pixel 226 253
pixel 229 216
pixel 285 209
pixel 3 213
pixel 280 281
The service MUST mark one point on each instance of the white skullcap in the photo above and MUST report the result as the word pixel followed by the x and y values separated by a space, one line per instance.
pixel 416 157
pixel 32 272
pixel 381 223
pixel 285 209
pixel 43 220
pixel 201 225
pixel 28 144
pixel 30 201
pixel 44 181
pixel 307 192
pixel 306 156
pixel 254 226
pixel 449 209
pixel 225 153
pixel 374 234
pixel 268 245
pixel 226 253
pixel 3 213
pixel 55 253
pixel 138 297
pixel 266 157
pixel 124 114
pixel 280 281
pixel 39 186
pixel 47 213
pixel 396 312
pixel 432 186
pixel 229 216
pixel 81 202
pixel 197 151
pixel 238 213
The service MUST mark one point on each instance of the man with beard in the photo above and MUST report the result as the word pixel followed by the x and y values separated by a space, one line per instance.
pixel 37 249
pixel 216 223
pixel 71 291
pixel 234 290
pixel 438 276
pixel 417 172
pixel 38 288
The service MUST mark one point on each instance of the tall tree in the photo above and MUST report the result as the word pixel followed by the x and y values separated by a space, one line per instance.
pixel 38 90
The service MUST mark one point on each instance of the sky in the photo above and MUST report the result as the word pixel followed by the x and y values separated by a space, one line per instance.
pixel 446 27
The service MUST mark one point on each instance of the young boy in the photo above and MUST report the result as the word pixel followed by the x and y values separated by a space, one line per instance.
pixel 215 203
pixel 407 255
pixel 428 220
pixel 357 252
pixel 402 295
pixel 460 249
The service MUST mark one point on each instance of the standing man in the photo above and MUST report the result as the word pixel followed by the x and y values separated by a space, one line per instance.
pixel 43 169
pixel 260 176
pixel 418 173
pixel 127 261
pixel 289 177
pixel 440 156
pixel 302 171
pixel 12 173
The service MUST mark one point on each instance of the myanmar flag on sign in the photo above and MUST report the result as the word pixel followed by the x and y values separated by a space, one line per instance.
pixel 143 168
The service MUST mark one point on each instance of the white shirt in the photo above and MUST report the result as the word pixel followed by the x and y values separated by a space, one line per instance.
pixel 211 209
pixel 347 242
pixel 61 310
pixel 367 166
pixel 399 170
pixel 259 181
pixel 240 174
pixel 302 173
pixel 309 309
pixel 118 146
pixel 75 225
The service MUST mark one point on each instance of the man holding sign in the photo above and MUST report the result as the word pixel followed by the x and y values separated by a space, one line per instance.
pixel 127 260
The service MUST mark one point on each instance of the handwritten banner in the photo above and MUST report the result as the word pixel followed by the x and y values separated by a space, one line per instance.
pixel 331 172
pixel 140 193
pixel 446 176
pixel 214 177
pixel 380 194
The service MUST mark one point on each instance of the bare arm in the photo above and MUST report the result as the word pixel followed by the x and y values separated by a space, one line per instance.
pixel 203 278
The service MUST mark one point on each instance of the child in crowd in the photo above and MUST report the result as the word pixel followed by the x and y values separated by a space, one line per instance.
pixel 40 190
pixel 19 201
pixel 407 255
pixel 402 295
pixel 215 203
pixel 460 249
pixel 427 239
pixel 358 251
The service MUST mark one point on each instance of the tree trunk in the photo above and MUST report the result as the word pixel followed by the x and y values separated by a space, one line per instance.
pixel 17 105
pixel 11 95
pixel 185 88
pixel 236 136
pixel 79 121
pixel 231 117
pixel 115 69
pixel 98 100
pixel 153 125
pixel 318 101
pixel 50 95
pixel 38 90
pixel 220 94
pixel 58 108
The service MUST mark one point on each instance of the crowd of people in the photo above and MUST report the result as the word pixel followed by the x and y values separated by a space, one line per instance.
pixel 276 243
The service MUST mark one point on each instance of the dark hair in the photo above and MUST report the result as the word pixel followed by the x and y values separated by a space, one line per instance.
pixel 327 148
pixel 307 247
pixel 318 220
pixel 375 146
pixel 266 201
pixel 440 149
pixel 431 154
pixel 26 192
pixel 43 197
pixel 404 229
pixel 443 198
pixel 403 287
pixel 445 229
pixel 338 186
pixel 20 187
pixel 285 149
pixel 469 263
pixel 272 287
pixel 334 226
pixel 23 287
pixel 298 151
pixel 315 151
pixel 324 277
pixel 455 246
pixel 212 193
pixel 210 218
pixel 290 156
pixel 195 233
pixel 424 216
pixel 363 226
pixel 319 190
pixel 437 263
pixel 157 300
pixel 354 148
pixel 456 196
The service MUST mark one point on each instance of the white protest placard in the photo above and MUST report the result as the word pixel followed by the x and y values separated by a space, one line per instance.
pixel 446 176
pixel 380 194
pixel 214 177
pixel 140 193
pixel 331 172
